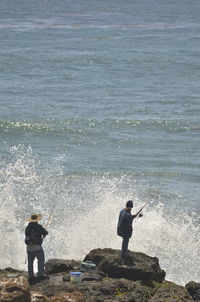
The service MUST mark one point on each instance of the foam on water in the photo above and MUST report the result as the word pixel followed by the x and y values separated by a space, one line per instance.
pixel 84 209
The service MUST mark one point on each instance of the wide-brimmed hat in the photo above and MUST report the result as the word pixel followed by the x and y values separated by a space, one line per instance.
pixel 35 218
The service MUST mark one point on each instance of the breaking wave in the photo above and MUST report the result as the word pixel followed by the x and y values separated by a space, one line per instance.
pixel 78 124
pixel 81 210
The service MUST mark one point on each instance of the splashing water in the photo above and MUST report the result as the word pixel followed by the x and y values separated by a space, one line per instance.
pixel 84 209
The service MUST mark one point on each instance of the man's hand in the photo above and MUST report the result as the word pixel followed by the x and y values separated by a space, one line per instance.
pixel 140 215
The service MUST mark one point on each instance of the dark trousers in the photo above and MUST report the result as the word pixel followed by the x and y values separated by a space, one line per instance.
pixel 40 257
pixel 125 242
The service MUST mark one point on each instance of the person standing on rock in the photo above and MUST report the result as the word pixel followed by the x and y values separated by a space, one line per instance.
pixel 34 235
pixel 124 227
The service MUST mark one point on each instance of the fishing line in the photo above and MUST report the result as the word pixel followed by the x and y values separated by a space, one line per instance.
pixel 51 214
pixel 137 214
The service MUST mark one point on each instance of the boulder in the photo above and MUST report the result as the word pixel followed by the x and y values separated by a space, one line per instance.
pixel 14 290
pixel 194 290
pixel 170 292
pixel 54 266
pixel 135 266
pixel 38 297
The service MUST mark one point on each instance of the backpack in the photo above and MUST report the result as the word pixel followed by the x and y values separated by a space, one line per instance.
pixel 32 238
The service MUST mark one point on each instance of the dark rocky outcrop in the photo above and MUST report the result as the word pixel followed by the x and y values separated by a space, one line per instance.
pixel 135 266
pixel 54 266
pixel 10 270
pixel 142 281
pixel 170 292
pixel 194 290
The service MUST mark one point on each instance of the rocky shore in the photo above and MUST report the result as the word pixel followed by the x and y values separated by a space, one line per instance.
pixel 135 278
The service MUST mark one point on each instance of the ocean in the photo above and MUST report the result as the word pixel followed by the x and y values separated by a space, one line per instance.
pixel 99 104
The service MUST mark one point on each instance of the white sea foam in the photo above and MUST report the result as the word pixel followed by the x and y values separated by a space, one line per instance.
pixel 83 211
pixel 174 240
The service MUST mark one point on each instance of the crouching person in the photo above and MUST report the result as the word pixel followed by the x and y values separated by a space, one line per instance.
pixel 34 235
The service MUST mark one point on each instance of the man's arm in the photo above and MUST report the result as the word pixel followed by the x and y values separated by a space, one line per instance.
pixel 137 214
pixel 43 231
pixel 26 231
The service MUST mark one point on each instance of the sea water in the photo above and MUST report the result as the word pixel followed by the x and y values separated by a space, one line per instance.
pixel 100 104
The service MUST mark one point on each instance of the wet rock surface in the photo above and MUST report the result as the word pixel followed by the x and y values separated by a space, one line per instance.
pixel 54 266
pixel 137 278
pixel 135 266
pixel 194 290
pixel 168 291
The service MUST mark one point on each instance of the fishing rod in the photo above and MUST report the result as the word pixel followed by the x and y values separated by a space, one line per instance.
pixel 50 215
pixel 142 208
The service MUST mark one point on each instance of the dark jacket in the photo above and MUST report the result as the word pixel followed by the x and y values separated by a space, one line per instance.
pixel 40 231
pixel 124 227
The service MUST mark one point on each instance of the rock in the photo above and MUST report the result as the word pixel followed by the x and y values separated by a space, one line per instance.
pixel 54 266
pixel 68 297
pixel 122 290
pixel 10 270
pixel 170 292
pixel 94 290
pixel 38 297
pixel 116 279
pixel 61 297
pixel 87 276
pixel 14 290
pixel 135 266
pixel 194 290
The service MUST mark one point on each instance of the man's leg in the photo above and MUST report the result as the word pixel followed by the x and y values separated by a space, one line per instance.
pixel 31 257
pixel 125 242
pixel 41 260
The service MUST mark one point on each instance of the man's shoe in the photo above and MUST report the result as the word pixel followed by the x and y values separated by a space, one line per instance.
pixel 32 280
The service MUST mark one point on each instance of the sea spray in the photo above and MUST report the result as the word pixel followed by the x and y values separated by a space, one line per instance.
pixel 174 241
pixel 83 209
pixel 11 237
pixel 173 237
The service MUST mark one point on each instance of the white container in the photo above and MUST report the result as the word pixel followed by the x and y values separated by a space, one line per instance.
pixel 75 277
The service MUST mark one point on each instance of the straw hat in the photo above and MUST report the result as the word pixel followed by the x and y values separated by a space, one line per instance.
pixel 35 218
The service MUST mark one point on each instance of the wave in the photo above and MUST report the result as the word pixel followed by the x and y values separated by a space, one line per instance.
pixel 91 123
pixel 59 21
pixel 84 210
pixel 24 125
